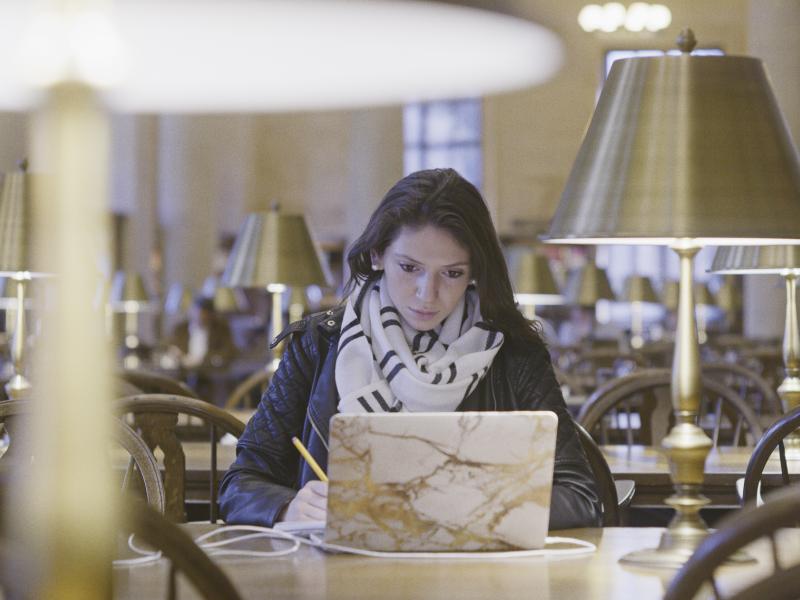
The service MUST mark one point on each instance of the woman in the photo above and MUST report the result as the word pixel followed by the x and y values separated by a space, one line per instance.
pixel 430 325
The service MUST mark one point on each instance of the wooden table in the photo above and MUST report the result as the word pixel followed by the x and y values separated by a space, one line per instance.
pixel 310 574
pixel 648 467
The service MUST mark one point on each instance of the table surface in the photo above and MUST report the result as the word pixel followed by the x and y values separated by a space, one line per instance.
pixel 310 573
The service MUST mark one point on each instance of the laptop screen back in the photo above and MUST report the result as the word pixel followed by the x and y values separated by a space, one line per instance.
pixel 440 481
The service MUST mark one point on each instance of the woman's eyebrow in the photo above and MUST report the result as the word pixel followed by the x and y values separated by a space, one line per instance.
pixel 414 260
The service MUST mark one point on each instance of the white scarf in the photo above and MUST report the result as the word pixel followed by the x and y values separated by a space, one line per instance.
pixel 383 364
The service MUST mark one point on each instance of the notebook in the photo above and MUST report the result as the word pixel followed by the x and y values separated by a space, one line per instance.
pixel 414 482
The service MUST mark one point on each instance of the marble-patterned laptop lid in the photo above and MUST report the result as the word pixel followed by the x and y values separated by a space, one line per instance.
pixel 462 481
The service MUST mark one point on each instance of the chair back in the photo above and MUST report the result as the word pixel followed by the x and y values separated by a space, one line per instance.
pixel 155 383
pixel 141 458
pixel 751 386
pixel 734 532
pixel 256 382
pixel 772 438
pixel 155 417
pixel 602 474
pixel 644 395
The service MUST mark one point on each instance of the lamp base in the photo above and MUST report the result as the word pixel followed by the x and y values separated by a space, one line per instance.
pixel 674 551
pixel 18 387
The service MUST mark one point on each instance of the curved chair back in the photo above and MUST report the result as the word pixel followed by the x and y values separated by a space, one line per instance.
pixel 184 555
pixel 606 488
pixel 751 386
pixel 141 458
pixel 256 381
pixel 155 416
pixel 155 383
pixel 734 532
pixel 646 392
pixel 772 438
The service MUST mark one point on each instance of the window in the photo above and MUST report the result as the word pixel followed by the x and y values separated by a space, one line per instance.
pixel 444 133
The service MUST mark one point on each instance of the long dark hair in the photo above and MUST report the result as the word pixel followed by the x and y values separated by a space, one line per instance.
pixel 444 199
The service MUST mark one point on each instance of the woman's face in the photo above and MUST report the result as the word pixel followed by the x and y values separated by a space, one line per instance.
pixel 426 271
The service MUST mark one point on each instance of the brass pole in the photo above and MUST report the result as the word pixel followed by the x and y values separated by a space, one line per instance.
pixel 789 390
pixel 687 445
pixel 18 386
pixel 637 325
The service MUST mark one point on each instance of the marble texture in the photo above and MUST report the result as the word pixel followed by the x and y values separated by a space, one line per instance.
pixel 440 481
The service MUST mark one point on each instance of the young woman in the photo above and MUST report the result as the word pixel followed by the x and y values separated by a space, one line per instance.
pixel 430 324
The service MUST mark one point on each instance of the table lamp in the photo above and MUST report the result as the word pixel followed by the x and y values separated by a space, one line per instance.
pixel 729 299
pixel 129 297
pixel 784 261
pixel 178 300
pixel 535 284
pixel 638 289
pixel 16 266
pixel 274 251
pixel 588 284
pixel 683 151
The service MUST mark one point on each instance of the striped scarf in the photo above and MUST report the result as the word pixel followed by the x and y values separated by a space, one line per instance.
pixel 383 364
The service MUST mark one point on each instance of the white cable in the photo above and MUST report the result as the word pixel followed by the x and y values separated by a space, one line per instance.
pixel 147 556
pixel 211 548
pixel 583 548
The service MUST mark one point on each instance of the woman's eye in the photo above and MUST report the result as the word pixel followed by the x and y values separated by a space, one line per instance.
pixel 408 268
pixel 454 274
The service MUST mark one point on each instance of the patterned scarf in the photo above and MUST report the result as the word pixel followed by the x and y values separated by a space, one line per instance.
pixel 383 364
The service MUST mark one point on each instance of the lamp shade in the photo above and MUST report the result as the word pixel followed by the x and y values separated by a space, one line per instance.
pixel 534 281
pixel 703 296
pixel 178 300
pixel 683 147
pixel 273 248
pixel 756 259
pixel 128 293
pixel 670 295
pixel 15 223
pixel 638 288
pixel 587 285
pixel 225 300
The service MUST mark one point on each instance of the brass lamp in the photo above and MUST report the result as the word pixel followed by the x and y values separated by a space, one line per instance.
pixel 129 297
pixel 274 251
pixel 638 290
pixel 784 261
pixel 15 265
pixel 587 285
pixel 535 283
pixel 683 151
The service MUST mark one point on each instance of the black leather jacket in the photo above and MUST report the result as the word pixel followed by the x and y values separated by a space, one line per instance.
pixel 302 397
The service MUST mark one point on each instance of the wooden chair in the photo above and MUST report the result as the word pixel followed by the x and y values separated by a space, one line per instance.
pixel 615 496
pixel 155 417
pixel 645 394
pixel 771 439
pixel 141 458
pixel 255 383
pixel 734 532
pixel 184 555
pixel 155 383
pixel 753 388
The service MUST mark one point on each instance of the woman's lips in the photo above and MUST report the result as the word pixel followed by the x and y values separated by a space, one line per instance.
pixel 424 314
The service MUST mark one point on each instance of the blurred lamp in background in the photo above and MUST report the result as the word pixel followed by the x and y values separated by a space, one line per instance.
pixel 638 289
pixel 783 261
pixel 274 251
pixel 130 298
pixel 535 284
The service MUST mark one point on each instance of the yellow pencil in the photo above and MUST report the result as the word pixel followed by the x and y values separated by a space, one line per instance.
pixel 309 459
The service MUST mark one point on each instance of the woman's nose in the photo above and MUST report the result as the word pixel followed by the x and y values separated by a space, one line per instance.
pixel 427 288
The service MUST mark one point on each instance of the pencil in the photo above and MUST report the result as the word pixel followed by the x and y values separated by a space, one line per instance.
pixel 309 459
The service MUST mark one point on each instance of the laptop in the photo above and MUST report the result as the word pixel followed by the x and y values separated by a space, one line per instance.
pixel 423 482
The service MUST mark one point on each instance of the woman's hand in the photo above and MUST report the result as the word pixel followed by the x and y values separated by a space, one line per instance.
pixel 310 503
